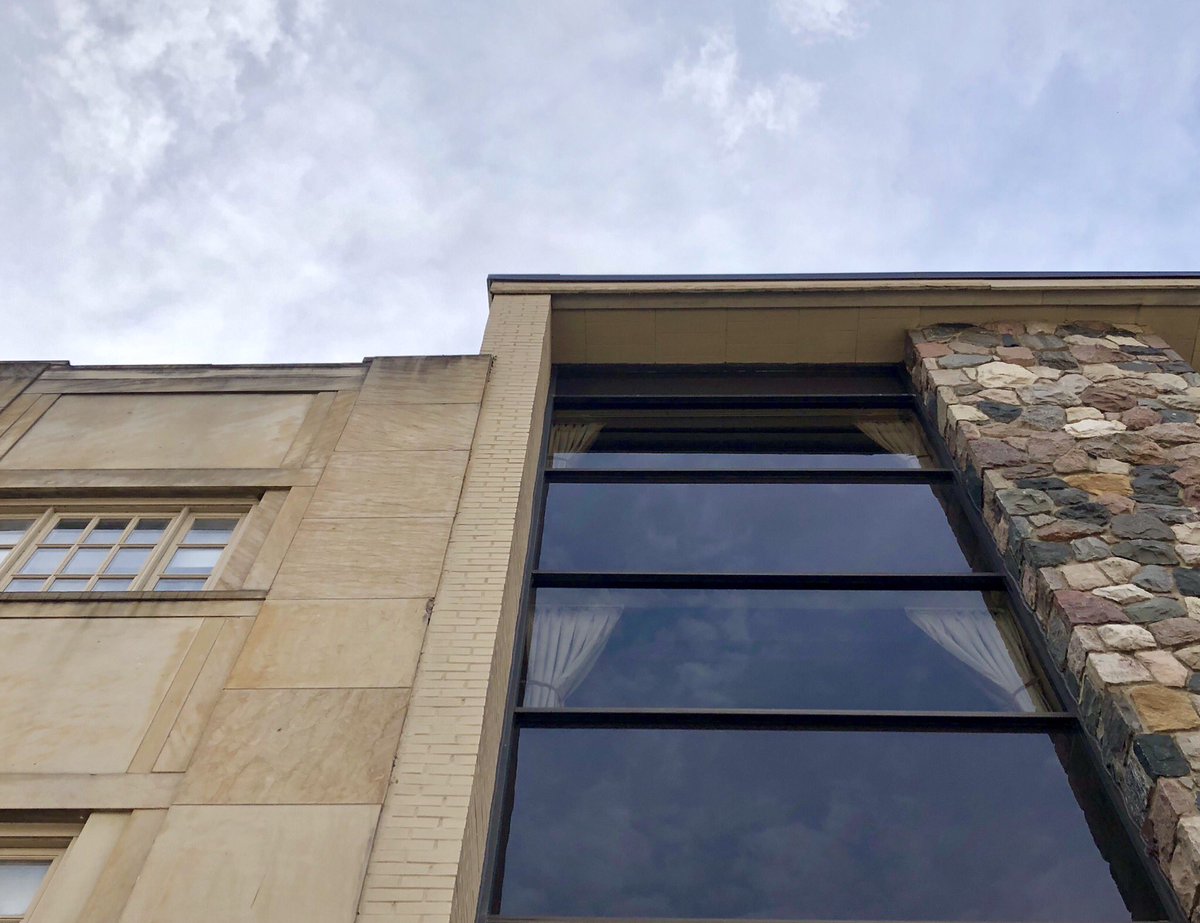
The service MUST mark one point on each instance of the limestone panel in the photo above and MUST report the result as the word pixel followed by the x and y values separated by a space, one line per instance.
pixel 389 484
pixel 79 694
pixel 162 431
pixel 363 559
pixel 425 380
pixel 333 644
pixel 297 746
pixel 391 427
pixel 276 864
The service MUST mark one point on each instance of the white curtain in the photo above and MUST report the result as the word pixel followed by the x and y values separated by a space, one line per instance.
pixel 566 438
pixel 974 638
pixel 566 643
pixel 896 435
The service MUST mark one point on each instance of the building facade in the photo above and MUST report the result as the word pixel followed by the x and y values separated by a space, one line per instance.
pixel 787 598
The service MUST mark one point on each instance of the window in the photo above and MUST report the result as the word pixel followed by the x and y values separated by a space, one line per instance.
pixel 772 669
pixel 82 550
pixel 29 854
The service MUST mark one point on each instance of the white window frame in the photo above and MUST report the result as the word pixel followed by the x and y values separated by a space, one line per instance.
pixel 35 843
pixel 180 515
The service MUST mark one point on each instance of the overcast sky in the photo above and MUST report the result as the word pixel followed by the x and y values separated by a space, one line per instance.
pixel 296 180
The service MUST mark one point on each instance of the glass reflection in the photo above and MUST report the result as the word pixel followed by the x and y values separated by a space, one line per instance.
pixel 809 825
pixel 750 528
pixel 19 884
pixel 733 439
pixel 880 651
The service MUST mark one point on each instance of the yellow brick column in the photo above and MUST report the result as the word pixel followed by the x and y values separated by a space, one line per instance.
pixel 428 855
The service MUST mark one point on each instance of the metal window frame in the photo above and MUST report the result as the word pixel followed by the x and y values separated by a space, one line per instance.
pixel 996 576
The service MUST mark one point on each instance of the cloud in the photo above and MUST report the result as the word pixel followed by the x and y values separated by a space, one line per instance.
pixel 817 20
pixel 129 79
pixel 712 80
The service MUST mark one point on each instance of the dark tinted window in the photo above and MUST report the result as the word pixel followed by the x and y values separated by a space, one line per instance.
pixel 882 651
pixel 731 439
pixel 728 381
pixel 808 825
pixel 750 528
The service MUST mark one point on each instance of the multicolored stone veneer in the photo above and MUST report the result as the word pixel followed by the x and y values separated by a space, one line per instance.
pixel 1080 442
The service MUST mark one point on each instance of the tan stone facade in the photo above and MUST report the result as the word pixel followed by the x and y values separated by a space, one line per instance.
pixel 315 734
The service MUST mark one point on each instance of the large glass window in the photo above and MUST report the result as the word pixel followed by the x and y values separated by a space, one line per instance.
pixel 770 670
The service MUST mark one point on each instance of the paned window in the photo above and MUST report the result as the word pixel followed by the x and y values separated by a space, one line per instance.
pixel 29 854
pixel 75 551
pixel 772 668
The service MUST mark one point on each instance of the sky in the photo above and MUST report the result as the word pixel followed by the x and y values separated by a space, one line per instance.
pixel 309 181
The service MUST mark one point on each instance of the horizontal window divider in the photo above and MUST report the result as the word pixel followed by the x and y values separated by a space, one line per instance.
pixel 791 719
pixel 499 918
pixel 705 581
pixel 749 476
pixel 735 402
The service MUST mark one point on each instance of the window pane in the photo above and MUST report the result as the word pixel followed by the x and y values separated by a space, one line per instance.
pixel 107 532
pixel 188 561
pixel 750 528
pixel 19 883
pixel 762 439
pixel 210 532
pixel 128 561
pixel 111 585
pixel 24 586
pixel 147 532
pixel 180 585
pixel 67 532
pixel 72 585
pixel 845 650
pixel 86 561
pixel 811 825
pixel 13 530
pixel 44 561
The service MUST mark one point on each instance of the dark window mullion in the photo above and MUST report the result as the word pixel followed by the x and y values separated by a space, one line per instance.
pixel 793 719
pixel 687 581
pixel 750 476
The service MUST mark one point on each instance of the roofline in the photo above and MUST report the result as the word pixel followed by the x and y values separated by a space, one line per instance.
pixel 833 276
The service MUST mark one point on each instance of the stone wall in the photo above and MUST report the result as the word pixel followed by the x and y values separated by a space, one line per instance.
pixel 1080 442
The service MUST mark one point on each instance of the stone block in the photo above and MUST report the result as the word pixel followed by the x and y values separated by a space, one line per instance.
pixel 1163 709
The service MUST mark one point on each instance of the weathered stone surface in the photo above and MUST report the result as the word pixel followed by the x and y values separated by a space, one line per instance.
pixel 1017 355
pixel 1188 580
pixel 1155 578
pixel 1123 594
pixel 1119 570
pixel 1003 375
pixel 962 361
pixel 1084 576
pixel 1155 610
pixel 1161 709
pixel 1164 667
pixel 1071 462
pixel 1108 399
pixel 1075 414
pixel 1118 669
pixel 1146 552
pixel 1134 448
pixel 1140 417
pixel 1064 530
pixel 1090 549
pixel 1003 413
pixel 1140 525
pixel 1176 631
pixel 1125 637
pixel 1087 429
pixel 1101 483
pixel 1046 554
pixel 1019 502
pixel 992 453
pixel 1173 433
pixel 1169 801
pixel 1047 417
pixel 1082 608
pixel 1160 756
